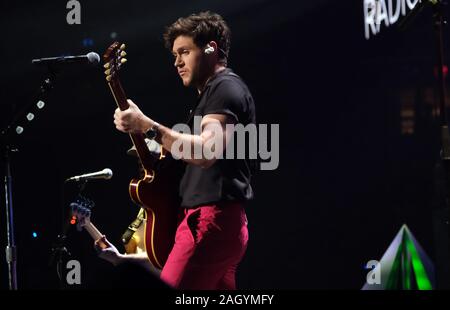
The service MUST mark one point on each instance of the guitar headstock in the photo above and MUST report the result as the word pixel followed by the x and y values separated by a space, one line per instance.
pixel 82 210
pixel 113 59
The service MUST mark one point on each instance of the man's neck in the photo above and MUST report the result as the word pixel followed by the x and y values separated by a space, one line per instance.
pixel 218 68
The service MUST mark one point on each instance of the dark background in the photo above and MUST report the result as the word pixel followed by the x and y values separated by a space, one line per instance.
pixel 352 168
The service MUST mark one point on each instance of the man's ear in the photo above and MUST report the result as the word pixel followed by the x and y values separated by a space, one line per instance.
pixel 213 44
pixel 211 47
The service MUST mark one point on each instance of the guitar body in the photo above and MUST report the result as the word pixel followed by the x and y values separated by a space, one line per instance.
pixel 157 191
pixel 159 196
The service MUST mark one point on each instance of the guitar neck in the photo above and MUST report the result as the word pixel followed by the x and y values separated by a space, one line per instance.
pixel 93 231
pixel 138 139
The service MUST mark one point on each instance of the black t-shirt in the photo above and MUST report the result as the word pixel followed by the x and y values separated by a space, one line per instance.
pixel 227 179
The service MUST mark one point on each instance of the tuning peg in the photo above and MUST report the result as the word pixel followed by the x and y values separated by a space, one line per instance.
pixel 107 72
pixel 106 65
pixel 108 78
pixel 123 53
pixel 122 47
pixel 123 60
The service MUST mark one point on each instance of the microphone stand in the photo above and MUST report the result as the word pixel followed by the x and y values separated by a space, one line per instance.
pixel 7 149
pixel 11 250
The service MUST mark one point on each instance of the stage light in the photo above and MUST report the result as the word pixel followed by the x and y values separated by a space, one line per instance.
pixel 88 42
pixel 444 71
pixel 40 104
pixel 34 234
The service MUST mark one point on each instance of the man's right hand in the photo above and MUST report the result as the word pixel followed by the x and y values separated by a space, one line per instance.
pixel 132 120
pixel 107 251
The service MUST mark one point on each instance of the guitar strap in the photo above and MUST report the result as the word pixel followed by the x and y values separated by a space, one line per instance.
pixel 128 234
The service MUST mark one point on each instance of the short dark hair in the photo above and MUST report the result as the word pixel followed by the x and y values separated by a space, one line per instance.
pixel 202 28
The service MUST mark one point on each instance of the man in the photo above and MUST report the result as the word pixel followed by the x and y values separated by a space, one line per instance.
pixel 212 238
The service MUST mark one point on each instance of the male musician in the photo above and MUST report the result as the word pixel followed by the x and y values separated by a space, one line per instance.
pixel 212 238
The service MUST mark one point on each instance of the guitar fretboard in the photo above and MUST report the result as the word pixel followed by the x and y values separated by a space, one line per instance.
pixel 93 231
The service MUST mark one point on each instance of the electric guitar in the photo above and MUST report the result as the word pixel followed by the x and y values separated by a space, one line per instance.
pixel 157 190
pixel 81 211
pixel 81 215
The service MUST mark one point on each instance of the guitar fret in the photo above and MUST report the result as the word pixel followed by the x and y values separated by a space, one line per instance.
pixel 93 231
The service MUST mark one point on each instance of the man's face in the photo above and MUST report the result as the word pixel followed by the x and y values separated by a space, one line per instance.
pixel 188 60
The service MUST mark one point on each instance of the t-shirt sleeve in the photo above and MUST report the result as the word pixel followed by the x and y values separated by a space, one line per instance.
pixel 226 98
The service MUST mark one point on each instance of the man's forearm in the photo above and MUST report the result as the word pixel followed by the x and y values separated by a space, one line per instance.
pixel 142 260
pixel 201 150
pixel 167 138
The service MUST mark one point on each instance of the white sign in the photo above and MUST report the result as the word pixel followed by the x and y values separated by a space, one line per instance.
pixel 388 12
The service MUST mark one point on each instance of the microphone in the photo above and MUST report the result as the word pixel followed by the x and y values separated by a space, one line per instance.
pixel 104 174
pixel 92 58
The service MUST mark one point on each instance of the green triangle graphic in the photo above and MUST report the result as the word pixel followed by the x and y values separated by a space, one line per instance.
pixel 404 265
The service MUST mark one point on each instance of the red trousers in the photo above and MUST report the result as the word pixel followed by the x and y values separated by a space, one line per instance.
pixel 209 243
